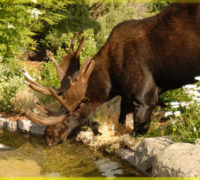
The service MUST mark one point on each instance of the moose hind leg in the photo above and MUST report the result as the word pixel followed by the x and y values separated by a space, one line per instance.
pixel 143 108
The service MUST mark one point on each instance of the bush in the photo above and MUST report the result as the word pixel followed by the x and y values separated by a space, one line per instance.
pixel 11 79
pixel 183 111
pixel 158 5
pixel 20 21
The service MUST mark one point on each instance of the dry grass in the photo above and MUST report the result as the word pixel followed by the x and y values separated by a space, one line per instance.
pixel 110 140
pixel 24 100
pixel 114 136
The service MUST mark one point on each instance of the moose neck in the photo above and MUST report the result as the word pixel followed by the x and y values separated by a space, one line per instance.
pixel 99 84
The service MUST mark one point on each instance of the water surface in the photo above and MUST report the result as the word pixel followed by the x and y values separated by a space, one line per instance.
pixel 29 156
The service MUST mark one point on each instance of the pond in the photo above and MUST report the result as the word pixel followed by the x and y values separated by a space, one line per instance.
pixel 29 156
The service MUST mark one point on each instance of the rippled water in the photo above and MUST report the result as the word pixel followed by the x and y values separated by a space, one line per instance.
pixel 29 156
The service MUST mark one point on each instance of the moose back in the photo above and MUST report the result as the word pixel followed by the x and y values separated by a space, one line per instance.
pixel 140 60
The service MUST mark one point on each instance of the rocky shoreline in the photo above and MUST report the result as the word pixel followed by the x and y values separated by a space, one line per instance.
pixel 157 156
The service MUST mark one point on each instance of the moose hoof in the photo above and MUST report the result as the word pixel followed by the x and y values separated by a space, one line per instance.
pixel 97 133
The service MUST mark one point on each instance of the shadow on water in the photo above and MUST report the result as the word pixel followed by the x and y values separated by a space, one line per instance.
pixel 29 156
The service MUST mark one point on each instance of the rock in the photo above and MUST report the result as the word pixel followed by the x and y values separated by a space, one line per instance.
pixel 27 126
pixel 144 154
pixel 8 125
pixel 179 159
pixel 3 147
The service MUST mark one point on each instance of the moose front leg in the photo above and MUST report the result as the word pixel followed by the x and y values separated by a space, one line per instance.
pixel 142 118
pixel 143 107
pixel 125 108
pixel 94 126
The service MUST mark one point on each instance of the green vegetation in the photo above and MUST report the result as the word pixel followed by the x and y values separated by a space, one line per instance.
pixel 29 27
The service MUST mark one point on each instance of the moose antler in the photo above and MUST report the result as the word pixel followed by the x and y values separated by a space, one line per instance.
pixel 72 97
pixel 76 92
pixel 69 66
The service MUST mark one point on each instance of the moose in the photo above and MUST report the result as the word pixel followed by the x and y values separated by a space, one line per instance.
pixel 140 60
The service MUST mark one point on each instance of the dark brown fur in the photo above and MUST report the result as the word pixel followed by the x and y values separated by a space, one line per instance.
pixel 140 60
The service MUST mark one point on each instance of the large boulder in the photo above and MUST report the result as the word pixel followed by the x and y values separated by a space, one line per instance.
pixel 160 156
pixel 143 155
pixel 178 159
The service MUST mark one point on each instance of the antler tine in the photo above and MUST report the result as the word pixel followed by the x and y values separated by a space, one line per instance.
pixel 34 85
pixel 38 88
pixel 70 80
pixel 80 47
pixel 84 67
pixel 89 70
pixel 40 107
pixel 28 76
pixel 45 121
pixel 51 57
pixel 60 99
pixel 73 41
pixel 60 71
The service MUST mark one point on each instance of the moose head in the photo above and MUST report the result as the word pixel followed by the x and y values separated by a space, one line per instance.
pixel 71 94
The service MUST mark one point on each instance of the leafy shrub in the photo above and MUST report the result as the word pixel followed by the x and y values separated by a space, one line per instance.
pixel 186 127
pixel 173 95
pixel 184 112
pixel 114 15
pixel 20 21
pixel 14 32
pixel 11 79
pixel 77 19
pixel 158 5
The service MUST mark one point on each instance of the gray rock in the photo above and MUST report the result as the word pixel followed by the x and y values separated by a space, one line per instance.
pixel 179 159
pixel 8 125
pixel 27 126
pixel 3 147
pixel 144 154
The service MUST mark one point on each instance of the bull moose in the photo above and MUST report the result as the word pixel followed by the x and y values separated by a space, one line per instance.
pixel 140 60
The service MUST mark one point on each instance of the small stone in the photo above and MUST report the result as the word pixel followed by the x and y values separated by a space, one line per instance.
pixel 6 124
pixel 27 126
